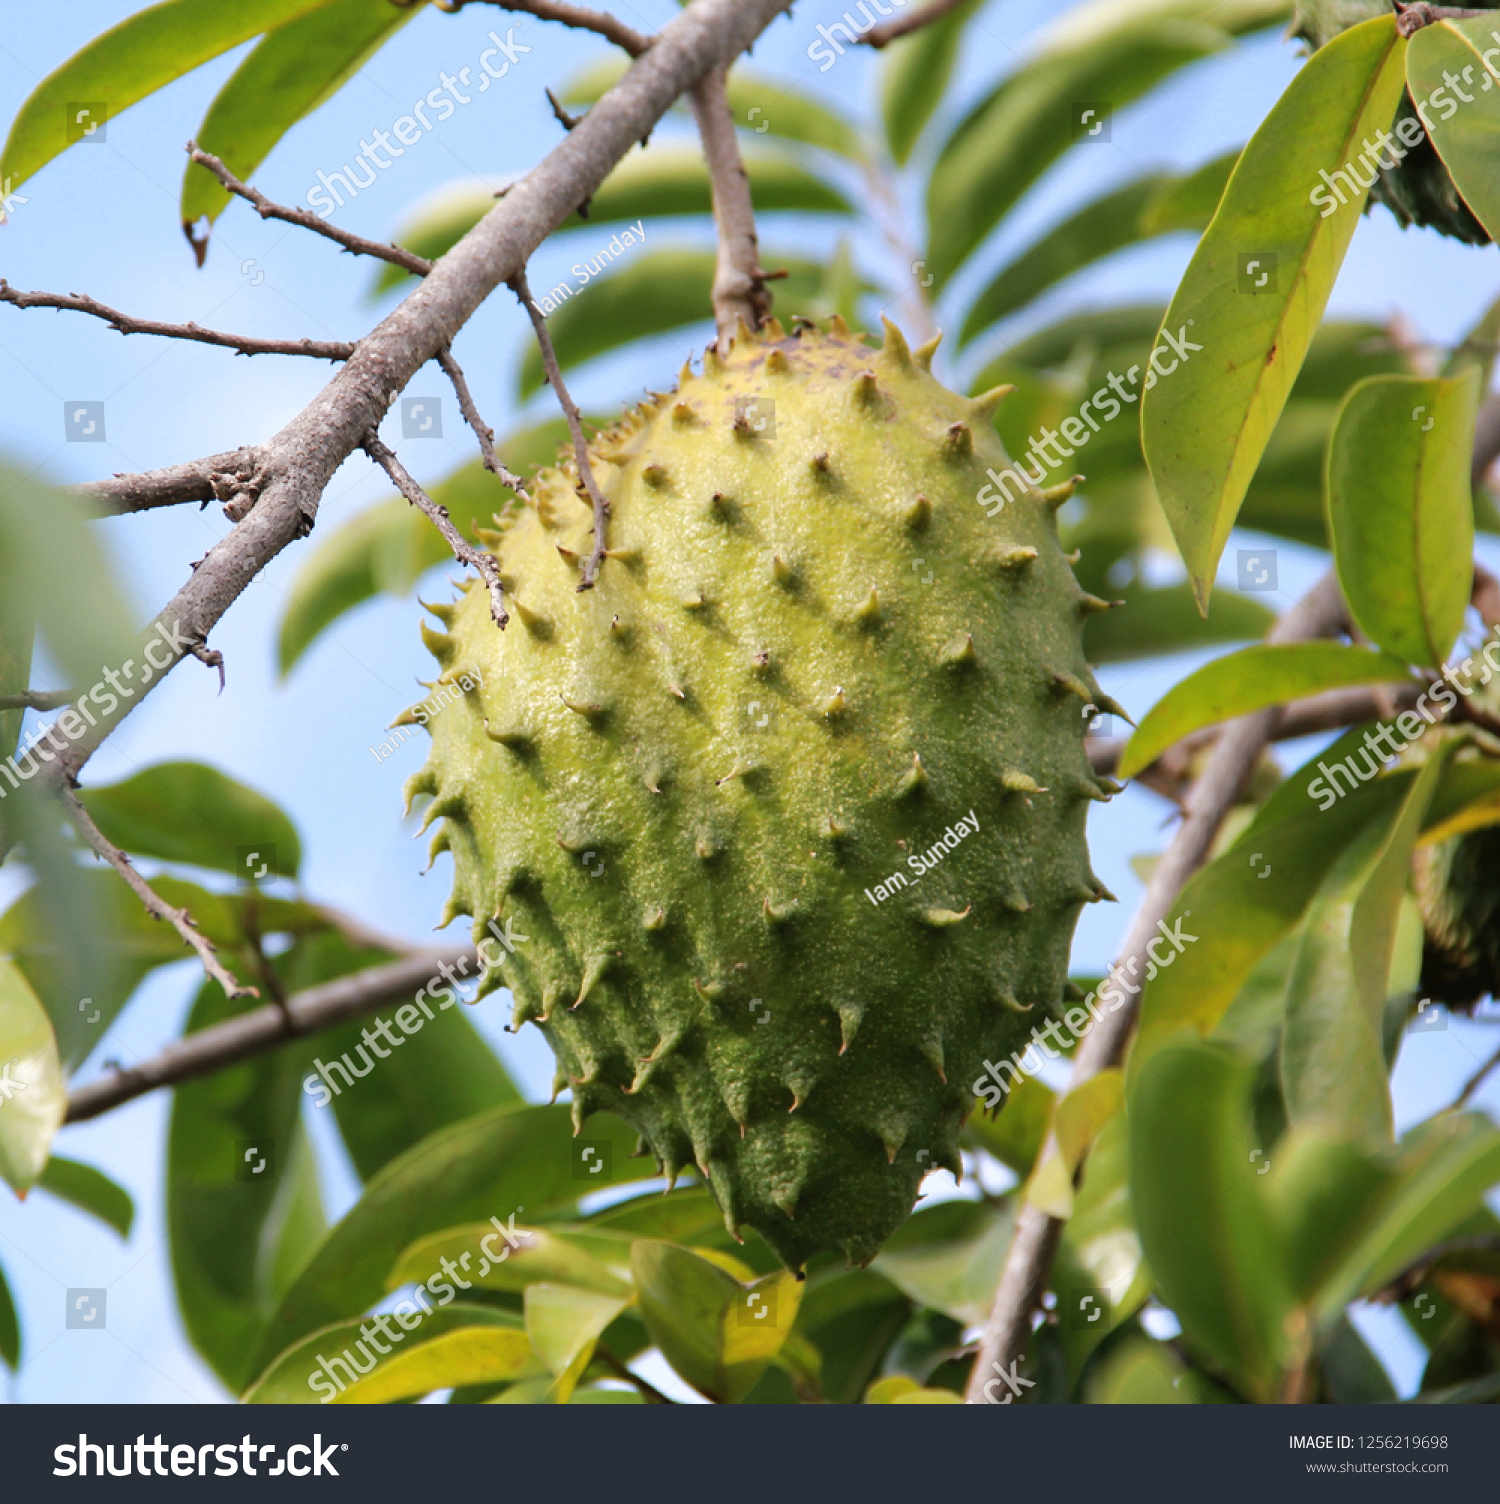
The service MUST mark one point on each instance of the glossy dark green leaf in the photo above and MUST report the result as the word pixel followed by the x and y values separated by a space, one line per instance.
pixel 1401 511
pixel 1188 202
pixel 1167 619
pixel 688 1214
pixel 288 74
pixel 1100 228
pixel 36 1097
pixel 650 184
pixel 10 1328
pixel 656 292
pixel 1333 1068
pixel 914 74
pixel 135 58
pixel 512 1159
pixel 1204 1223
pixel 191 813
pixel 1206 426
pixel 90 1190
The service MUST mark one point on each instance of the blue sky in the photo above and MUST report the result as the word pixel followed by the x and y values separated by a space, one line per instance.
pixel 102 219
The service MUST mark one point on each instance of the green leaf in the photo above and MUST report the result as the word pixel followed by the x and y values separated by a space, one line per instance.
pixel 1333 1067
pixel 297 1378
pixel 10 1328
pixel 914 76
pixel 1016 1133
pixel 1401 511
pixel 34 1099
pixel 1467 799
pixel 1463 129
pixel 1204 1224
pixel 1166 620
pixel 1141 1372
pixel 288 74
pixel 688 1214
pixel 1205 428
pixel 1097 230
pixel 1188 202
pixel 126 63
pixel 511 1159
pixel 1254 894
pixel 470 1355
pixel 1352 1374
pixel 656 292
pixel 648 184
pixel 576 1256
pixel 1078 1119
pixel 90 1190
pixel 949 1257
pixel 1251 679
pixel 189 812
pixel 563 1324
pixel 718 1334
pixel 1011 137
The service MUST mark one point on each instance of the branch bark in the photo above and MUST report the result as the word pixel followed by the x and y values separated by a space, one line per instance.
pixel 482 430
pixel 883 36
pixel 1320 613
pixel 211 479
pixel 580 17
pixel 265 1028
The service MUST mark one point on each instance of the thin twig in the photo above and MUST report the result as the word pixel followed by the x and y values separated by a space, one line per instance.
pixel 37 699
pixel 739 280
pixel 648 1390
pixel 1320 613
pixel 154 904
pixel 565 119
pixel 883 36
pixel 263 1029
pixel 463 550
pixel 243 344
pixel 579 16
pixel 522 289
pixel 395 254
pixel 1473 1083
pixel 482 431
pixel 1410 19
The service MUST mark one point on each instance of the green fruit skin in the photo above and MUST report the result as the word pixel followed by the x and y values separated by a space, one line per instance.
pixel 685 786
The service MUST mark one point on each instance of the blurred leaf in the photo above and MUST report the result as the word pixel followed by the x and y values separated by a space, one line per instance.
pixel 656 292
pixel 1188 201
pixel 297 1378
pixel 1352 1374
pixel 90 1190
pixel 1333 1066
pixel 1077 1121
pixel 649 184
pixel 684 1215
pixel 1016 1133
pixel 1011 137
pixel 717 1333
pixel 1140 1372
pixel 1451 49
pixel 563 1323
pixel 1251 679
pixel 914 75
pixel 1096 332
pixel 492 1165
pixel 288 74
pixel 129 61
pixel 1468 798
pixel 1099 229
pixel 1401 510
pixel 561 1256
pixel 470 1355
pixel 949 1257
pixel 10 1328
pixel 389 547
pixel 1167 619
pixel 1205 429
pixel 33 1098
pixel 900 1390
pixel 189 812
pixel 1204 1225
pixel 851 1316
pixel 1254 894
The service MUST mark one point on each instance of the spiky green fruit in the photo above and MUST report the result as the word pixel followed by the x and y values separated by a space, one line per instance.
pixel 1457 885
pixel 703 789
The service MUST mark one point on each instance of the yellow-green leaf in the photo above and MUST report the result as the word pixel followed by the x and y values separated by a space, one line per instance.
pixel 471 1355
pixel 33 1097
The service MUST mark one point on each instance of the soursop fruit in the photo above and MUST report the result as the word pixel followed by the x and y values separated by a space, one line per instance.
pixel 790 808
pixel 1457 885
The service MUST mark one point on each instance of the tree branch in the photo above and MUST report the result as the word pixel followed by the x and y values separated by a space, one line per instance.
pixel 254 1033
pixel 482 431
pixel 154 904
pixel 243 344
pixel 883 36
pixel 1320 613
pixel 739 280
pixel 397 255
pixel 299 461
pixel 522 289
pixel 463 550
pixel 219 477
pixel 578 16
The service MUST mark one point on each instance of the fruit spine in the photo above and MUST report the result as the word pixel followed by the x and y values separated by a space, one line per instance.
pixel 704 789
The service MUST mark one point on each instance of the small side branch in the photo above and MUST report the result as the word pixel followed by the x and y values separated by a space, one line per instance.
pixel 482 431
pixel 739 279
pixel 463 550
pixel 219 477
pixel 1410 19
pixel 395 254
pixel 155 906
pixel 37 699
pixel 580 17
pixel 243 344
pixel 883 36
pixel 522 289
